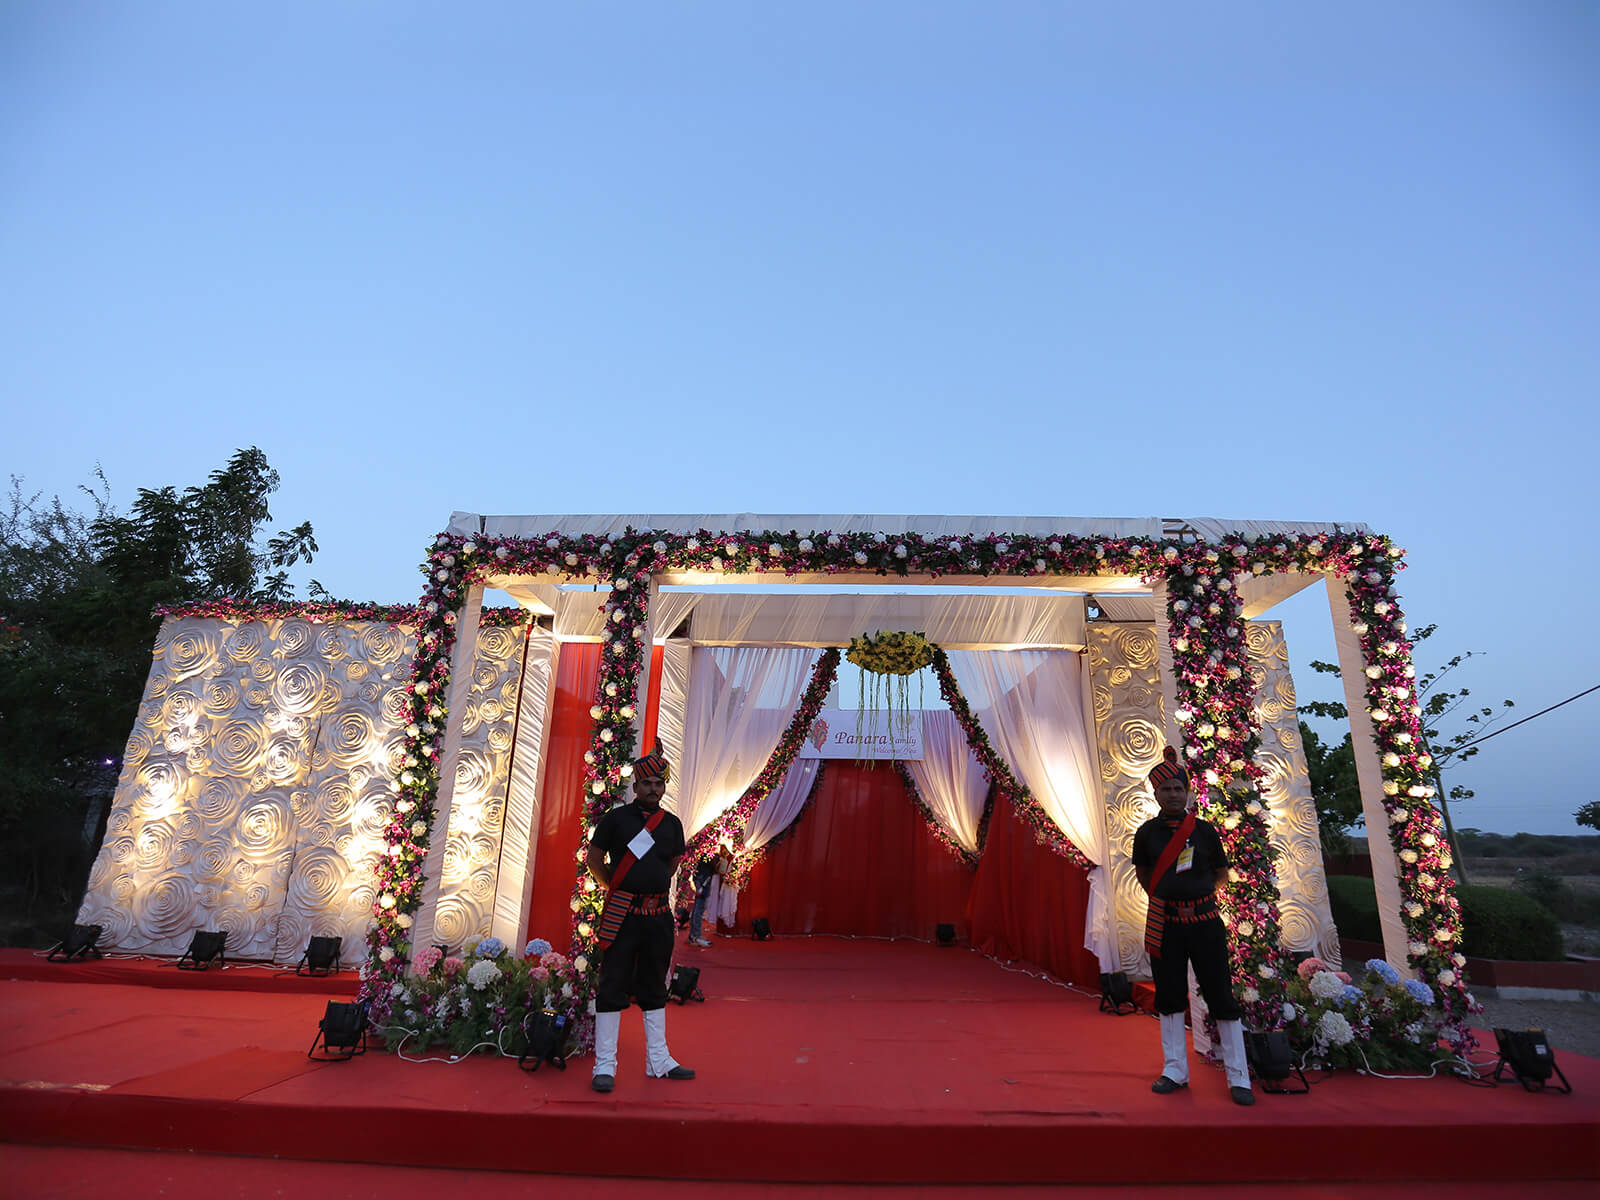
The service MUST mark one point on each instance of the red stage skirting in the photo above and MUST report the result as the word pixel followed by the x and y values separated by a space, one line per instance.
pixel 821 1060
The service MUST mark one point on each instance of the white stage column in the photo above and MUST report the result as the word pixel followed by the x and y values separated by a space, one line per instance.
pixel 1369 774
pixel 462 659
pixel 519 834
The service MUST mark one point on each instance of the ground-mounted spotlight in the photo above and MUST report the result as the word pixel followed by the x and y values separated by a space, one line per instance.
pixel 342 1033
pixel 761 929
pixel 944 933
pixel 206 945
pixel 1528 1054
pixel 1116 993
pixel 80 943
pixel 1272 1062
pixel 547 1033
pixel 321 957
pixel 685 985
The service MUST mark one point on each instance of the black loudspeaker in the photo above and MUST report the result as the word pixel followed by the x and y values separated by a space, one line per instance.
pixel 1116 993
pixel 80 943
pixel 207 944
pixel 547 1032
pixel 342 1033
pixel 685 985
pixel 321 957
pixel 945 934
pixel 1527 1052
pixel 761 929
pixel 1272 1062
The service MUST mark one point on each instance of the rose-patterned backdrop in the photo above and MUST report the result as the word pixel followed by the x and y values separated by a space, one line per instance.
pixel 257 782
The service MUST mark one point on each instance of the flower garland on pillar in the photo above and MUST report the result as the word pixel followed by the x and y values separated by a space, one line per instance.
pixel 608 763
pixel 1216 708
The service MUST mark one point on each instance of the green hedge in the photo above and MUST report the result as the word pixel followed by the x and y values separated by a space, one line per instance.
pixel 1497 922
pixel 1355 907
pixel 1500 923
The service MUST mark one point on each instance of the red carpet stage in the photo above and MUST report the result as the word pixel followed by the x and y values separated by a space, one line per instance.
pixel 821 1061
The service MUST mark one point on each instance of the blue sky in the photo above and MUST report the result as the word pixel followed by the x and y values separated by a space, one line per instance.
pixel 1248 261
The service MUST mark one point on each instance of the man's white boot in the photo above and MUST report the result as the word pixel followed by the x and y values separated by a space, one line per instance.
pixel 606 1027
pixel 657 1061
pixel 1174 1054
pixel 1234 1061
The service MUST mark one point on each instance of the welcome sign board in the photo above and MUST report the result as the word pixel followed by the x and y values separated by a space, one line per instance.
pixel 849 733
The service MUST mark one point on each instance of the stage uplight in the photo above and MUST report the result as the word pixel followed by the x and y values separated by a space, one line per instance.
pixel 206 945
pixel 1528 1054
pixel 342 1032
pixel 685 985
pixel 761 929
pixel 321 957
pixel 1116 993
pixel 1272 1061
pixel 80 943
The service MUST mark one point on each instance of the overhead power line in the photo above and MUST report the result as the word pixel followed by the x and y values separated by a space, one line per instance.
pixel 1514 724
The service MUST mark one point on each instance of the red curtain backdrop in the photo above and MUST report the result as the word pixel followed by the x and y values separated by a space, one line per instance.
pixel 555 861
pixel 1030 904
pixel 861 861
pixel 561 797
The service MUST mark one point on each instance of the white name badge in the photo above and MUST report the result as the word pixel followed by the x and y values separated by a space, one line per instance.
pixel 641 843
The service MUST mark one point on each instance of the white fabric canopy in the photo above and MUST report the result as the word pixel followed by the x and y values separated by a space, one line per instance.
pixel 950 779
pixel 1030 703
pixel 782 804
pixel 953 621
pixel 740 700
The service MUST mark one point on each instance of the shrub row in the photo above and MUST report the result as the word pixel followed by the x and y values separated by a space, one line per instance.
pixel 1497 922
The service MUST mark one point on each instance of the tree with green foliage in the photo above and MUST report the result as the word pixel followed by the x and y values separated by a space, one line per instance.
pixel 77 592
pixel 1451 727
pixel 1589 815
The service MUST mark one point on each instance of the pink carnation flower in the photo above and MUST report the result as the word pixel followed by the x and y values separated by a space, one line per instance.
pixel 428 958
pixel 452 965
pixel 1311 966
pixel 539 974
pixel 553 961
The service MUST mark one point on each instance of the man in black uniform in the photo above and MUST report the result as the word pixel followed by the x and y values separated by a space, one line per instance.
pixel 635 849
pixel 1179 860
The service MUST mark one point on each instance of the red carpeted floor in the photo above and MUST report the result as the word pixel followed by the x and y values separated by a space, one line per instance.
pixel 821 1060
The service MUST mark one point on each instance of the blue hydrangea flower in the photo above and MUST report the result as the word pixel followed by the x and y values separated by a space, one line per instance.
pixel 1383 971
pixel 536 947
pixel 490 947
pixel 1419 991
pixel 1350 994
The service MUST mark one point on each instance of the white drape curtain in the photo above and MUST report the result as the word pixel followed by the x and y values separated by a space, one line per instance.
pixel 949 777
pixel 1030 703
pixel 740 700
pixel 782 803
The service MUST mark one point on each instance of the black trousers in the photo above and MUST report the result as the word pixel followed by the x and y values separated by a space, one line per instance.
pixel 1205 944
pixel 636 964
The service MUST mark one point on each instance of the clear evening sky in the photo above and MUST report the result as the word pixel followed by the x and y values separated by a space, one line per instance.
pixel 1240 260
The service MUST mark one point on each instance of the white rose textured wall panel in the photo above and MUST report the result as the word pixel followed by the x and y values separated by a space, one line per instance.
pixel 255 787
pixel 1129 723
pixel 1307 922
